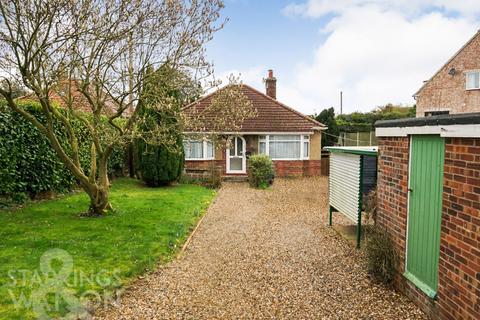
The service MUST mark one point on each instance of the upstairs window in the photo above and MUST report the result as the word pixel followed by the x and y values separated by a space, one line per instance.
pixel 473 80
pixel 436 113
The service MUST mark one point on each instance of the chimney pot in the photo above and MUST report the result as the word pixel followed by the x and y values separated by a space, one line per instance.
pixel 271 85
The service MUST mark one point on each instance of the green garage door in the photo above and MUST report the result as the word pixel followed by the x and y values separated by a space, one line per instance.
pixel 425 211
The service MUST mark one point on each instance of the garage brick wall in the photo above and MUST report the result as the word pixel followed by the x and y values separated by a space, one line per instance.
pixel 459 265
pixel 459 283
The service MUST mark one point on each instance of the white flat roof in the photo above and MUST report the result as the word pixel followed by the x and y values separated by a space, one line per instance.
pixel 373 150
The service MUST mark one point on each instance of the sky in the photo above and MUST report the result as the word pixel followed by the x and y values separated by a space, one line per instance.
pixel 374 51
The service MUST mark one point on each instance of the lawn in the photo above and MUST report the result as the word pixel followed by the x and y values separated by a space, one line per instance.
pixel 148 227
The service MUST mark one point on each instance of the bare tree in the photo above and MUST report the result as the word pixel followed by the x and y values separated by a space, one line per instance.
pixel 222 117
pixel 98 51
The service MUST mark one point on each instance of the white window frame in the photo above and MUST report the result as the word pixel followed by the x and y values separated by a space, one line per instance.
pixel 467 73
pixel 204 150
pixel 235 151
pixel 303 138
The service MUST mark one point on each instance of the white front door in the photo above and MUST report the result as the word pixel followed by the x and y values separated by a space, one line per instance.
pixel 236 159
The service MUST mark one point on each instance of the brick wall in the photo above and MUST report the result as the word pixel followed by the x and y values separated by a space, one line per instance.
pixel 459 265
pixel 203 168
pixel 392 189
pixel 297 168
pixel 392 185
pixel 447 92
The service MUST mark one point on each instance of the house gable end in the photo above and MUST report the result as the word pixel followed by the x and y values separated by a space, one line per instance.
pixel 447 66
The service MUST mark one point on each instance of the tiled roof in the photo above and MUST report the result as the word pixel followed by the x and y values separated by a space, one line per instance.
pixel 272 116
pixel 79 101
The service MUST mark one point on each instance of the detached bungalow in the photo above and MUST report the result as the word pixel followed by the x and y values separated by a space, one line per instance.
pixel 291 139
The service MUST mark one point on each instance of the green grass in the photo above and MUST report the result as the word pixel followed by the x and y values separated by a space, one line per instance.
pixel 148 227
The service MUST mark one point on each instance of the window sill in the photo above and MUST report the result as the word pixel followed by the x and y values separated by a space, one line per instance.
pixel 420 285
pixel 199 159
pixel 473 89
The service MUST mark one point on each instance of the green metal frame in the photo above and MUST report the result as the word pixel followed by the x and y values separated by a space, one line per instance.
pixel 360 204
pixel 331 209
pixel 351 151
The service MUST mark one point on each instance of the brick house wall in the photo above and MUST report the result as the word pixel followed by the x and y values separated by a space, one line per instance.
pixel 283 168
pixel 297 168
pixel 445 92
pixel 458 294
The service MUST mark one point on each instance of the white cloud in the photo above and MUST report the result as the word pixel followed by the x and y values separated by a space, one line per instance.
pixel 374 53
pixel 318 8
pixel 251 76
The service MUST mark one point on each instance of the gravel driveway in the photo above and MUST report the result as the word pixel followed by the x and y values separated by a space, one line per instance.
pixel 264 254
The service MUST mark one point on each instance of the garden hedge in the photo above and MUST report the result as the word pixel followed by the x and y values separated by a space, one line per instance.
pixel 28 164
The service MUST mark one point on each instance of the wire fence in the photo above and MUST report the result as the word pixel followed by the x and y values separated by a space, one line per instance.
pixel 355 139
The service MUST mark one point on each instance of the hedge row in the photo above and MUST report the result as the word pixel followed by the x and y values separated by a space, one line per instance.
pixel 28 164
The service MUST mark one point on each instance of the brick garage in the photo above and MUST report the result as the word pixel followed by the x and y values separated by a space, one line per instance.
pixel 458 293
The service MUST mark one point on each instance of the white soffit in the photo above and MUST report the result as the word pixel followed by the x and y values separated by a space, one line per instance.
pixel 447 131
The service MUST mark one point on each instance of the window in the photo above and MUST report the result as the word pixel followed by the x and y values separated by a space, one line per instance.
pixel 306 146
pixel 285 147
pixel 435 113
pixel 198 149
pixel 262 145
pixel 473 80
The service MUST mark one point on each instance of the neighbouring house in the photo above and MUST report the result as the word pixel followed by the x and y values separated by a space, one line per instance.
pixel 429 202
pixel 291 139
pixel 455 88
pixel 68 92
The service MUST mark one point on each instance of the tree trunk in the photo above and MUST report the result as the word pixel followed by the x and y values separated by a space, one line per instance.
pixel 98 190
pixel 99 202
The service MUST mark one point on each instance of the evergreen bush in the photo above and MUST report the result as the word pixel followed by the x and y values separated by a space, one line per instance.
pixel 161 163
pixel 260 171
pixel 28 164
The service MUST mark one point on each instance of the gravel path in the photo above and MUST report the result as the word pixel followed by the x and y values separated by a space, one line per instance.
pixel 264 254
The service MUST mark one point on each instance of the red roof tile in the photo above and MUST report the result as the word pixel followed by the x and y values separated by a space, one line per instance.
pixel 60 93
pixel 272 116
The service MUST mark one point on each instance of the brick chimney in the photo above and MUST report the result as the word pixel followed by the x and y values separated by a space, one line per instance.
pixel 271 85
